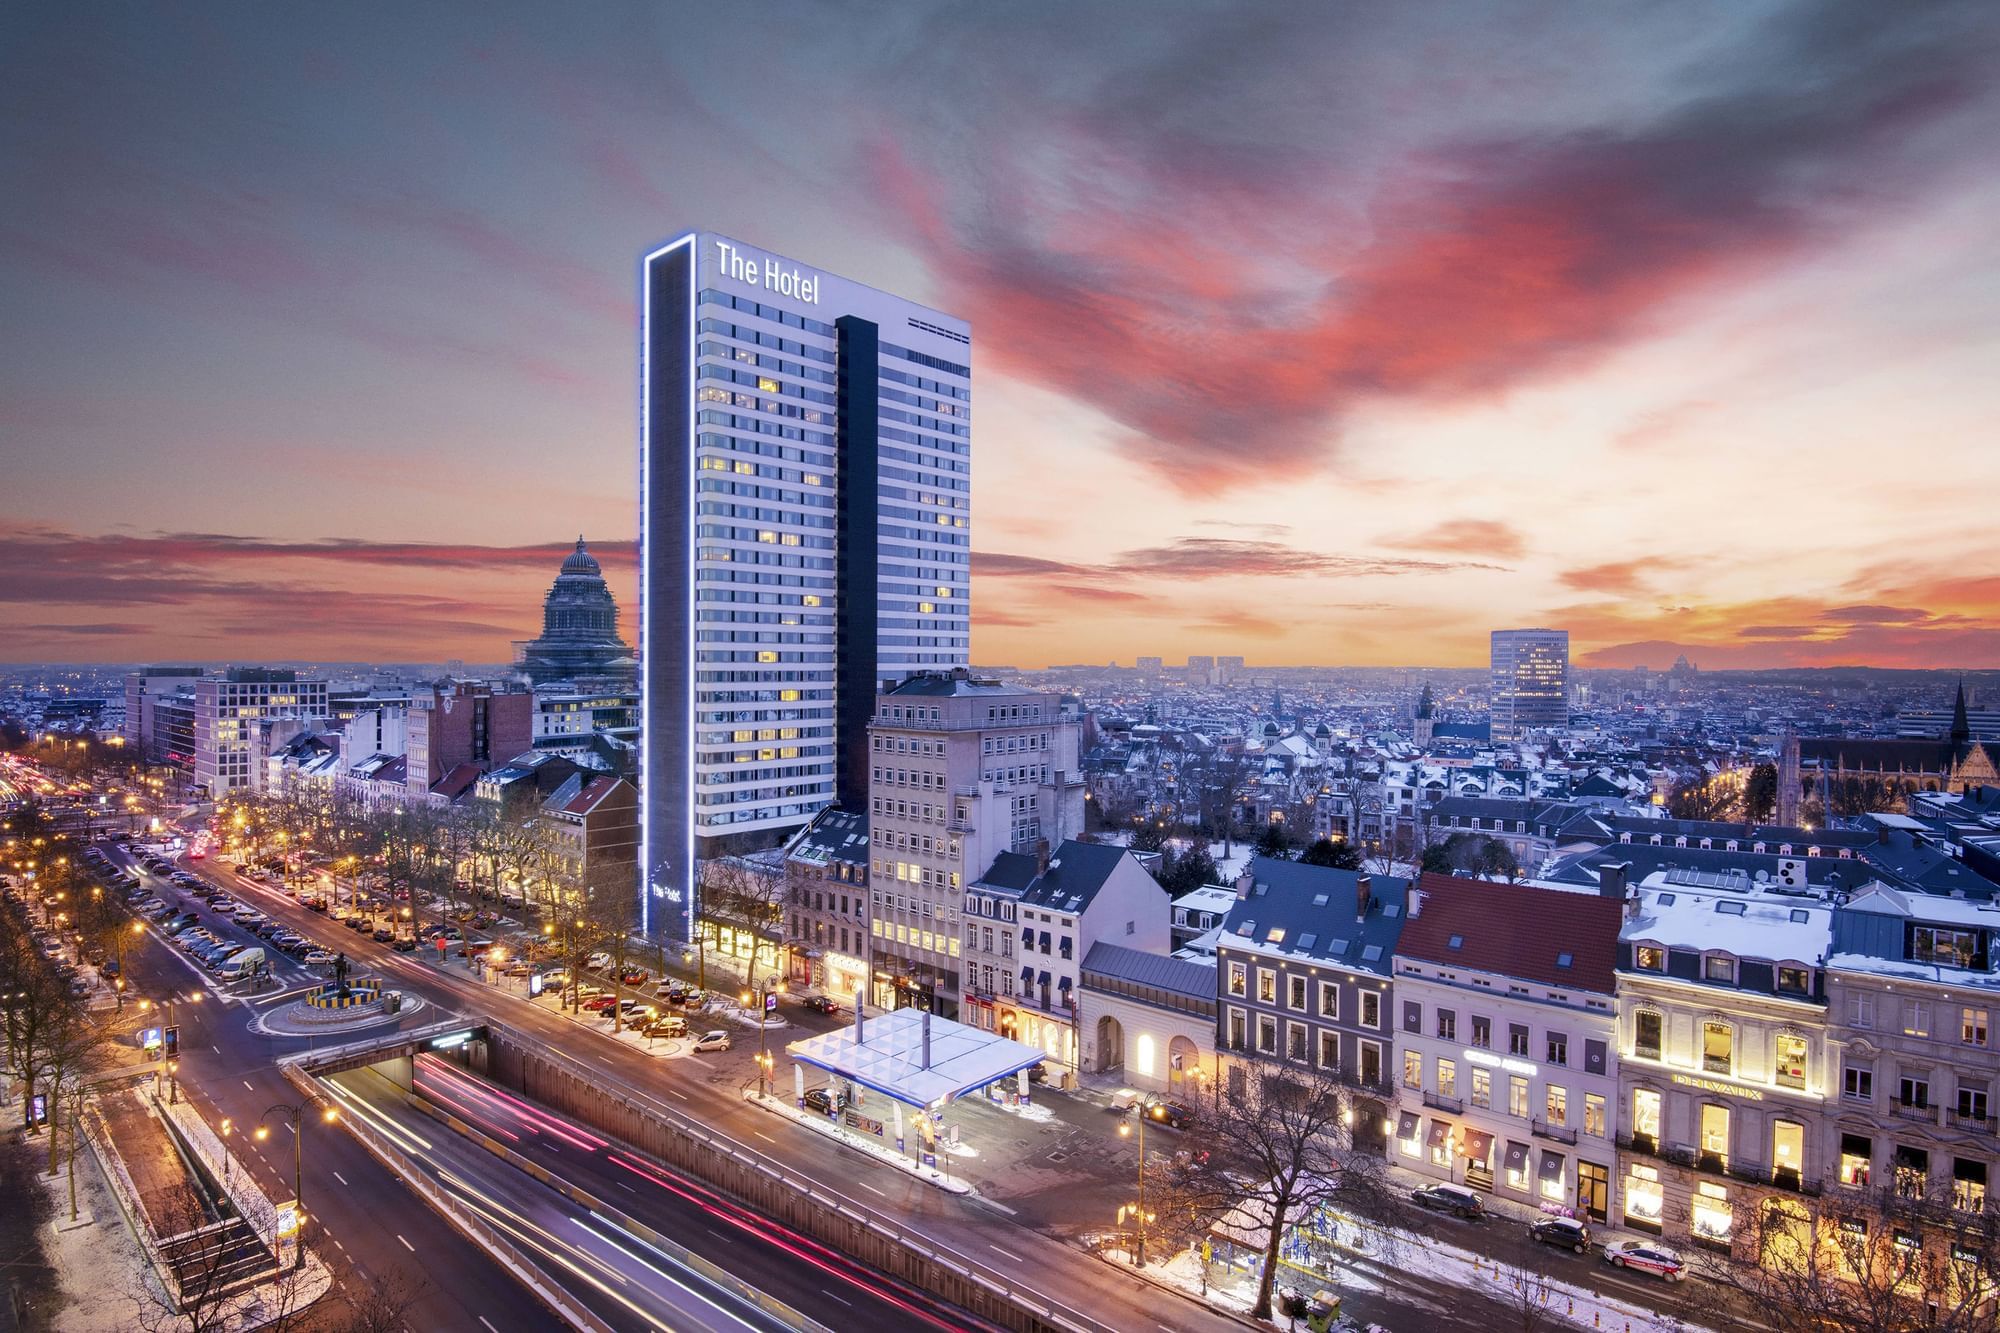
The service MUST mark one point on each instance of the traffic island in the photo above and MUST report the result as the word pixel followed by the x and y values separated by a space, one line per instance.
pixel 326 1009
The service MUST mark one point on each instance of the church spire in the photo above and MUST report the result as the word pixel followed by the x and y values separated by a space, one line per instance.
pixel 1961 727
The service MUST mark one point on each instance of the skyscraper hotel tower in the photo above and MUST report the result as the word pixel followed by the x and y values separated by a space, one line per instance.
pixel 1530 689
pixel 805 536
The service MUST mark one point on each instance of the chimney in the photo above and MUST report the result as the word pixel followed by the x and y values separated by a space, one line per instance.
pixel 1243 883
pixel 860 1024
pixel 1042 856
pixel 1611 878
pixel 927 1040
pixel 1364 888
pixel 1416 903
pixel 1631 905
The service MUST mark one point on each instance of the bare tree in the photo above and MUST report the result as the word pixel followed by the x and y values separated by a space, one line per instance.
pixel 1525 1292
pixel 1273 1156
pixel 1888 1261
pixel 380 1302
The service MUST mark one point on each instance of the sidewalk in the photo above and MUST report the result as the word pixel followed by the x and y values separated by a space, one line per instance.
pixel 875 1147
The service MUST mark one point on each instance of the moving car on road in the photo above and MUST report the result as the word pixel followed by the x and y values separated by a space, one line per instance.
pixel 1454 1199
pixel 1563 1232
pixel 1646 1257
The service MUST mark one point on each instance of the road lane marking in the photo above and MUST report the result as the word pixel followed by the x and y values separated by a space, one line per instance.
pixel 718 1235
pixel 342 1179
pixel 682 1095
pixel 488 1322
pixel 871 1189
pixel 247 1084
pixel 406 1245
pixel 762 1135
pixel 213 1047
pixel 850 1304
pixel 627 1188
pixel 1009 1253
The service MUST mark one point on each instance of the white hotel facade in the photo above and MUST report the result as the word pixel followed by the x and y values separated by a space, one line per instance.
pixel 805 493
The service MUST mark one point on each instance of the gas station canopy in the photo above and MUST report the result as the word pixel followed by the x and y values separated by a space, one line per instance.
pixel 887 1055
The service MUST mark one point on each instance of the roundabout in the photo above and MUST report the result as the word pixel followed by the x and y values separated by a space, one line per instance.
pixel 339 1005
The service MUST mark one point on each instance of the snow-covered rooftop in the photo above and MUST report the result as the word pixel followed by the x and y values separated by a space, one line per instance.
pixel 1774 927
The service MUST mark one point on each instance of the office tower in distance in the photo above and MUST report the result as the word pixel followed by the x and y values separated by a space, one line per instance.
pixel 1149 667
pixel 1201 670
pixel 805 533
pixel 1530 684
pixel 1228 670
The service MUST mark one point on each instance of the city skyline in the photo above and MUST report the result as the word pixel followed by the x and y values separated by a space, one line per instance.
pixel 1487 357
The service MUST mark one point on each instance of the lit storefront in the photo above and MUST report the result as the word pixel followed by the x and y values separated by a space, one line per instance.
pixel 842 975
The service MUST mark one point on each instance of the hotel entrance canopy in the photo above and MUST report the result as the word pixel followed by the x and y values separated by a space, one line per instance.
pixel 887 1055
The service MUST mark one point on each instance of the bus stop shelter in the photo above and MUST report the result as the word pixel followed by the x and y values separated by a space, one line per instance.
pixel 912 1059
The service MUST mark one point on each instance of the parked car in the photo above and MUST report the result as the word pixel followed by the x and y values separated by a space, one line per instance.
pixel 823 1100
pixel 404 944
pixel 1565 1232
pixel 667 1025
pixel 599 1004
pixel 384 935
pixel 318 958
pixel 821 1004
pixel 635 976
pixel 716 1040
pixel 1454 1199
pixel 1646 1257
pixel 1172 1115
pixel 598 961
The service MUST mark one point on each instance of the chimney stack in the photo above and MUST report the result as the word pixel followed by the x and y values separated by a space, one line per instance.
pixel 1416 903
pixel 1042 857
pixel 1611 878
pixel 1364 888
pixel 1631 905
pixel 1243 883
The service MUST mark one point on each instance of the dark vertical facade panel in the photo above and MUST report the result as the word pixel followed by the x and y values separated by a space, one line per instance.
pixel 856 561
pixel 666 630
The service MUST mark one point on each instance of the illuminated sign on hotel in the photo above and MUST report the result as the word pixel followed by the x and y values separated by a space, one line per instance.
pixel 770 275
pixel 1710 1085
pixel 1492 1061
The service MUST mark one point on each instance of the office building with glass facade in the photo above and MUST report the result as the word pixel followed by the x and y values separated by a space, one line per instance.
pixel 1530 689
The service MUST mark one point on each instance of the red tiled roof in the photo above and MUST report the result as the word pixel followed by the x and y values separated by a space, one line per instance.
pixel 457 782
pixel 593 791
pixel 1516 930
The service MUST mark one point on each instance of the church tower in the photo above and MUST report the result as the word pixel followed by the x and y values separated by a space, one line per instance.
pixel 1421 730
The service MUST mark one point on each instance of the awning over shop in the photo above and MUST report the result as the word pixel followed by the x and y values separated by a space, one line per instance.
pixel 1478 1143
pixel 1552 1167
pixel 1406 1126
pixel 1439 1135
pixel 1045 978
pixel 891 1056
pixel 1027 976
pixel 1517 1157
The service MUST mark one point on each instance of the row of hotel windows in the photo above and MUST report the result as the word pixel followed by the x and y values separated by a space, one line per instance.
pixel 903 777
pixel 918 810
pixel 1913 1092
pixel 1296 995
pixel 1722 968
pixel 1718 1048
pixel 760 360
pixel 1555 1101
pixel 929 941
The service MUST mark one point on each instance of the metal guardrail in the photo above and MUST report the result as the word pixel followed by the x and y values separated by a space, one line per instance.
pixel 473 1227
pixel 952 1260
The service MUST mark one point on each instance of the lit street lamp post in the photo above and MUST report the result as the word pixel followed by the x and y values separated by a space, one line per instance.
pixel 772 986
pixel 296 1115
pixel 1140 1110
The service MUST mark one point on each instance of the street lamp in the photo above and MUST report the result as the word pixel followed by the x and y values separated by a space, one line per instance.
pixel 296 1115
pixel 227 1125
pixel 1142 1110
pixel 772 986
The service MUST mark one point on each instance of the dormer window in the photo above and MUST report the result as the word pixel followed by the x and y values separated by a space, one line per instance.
pixel 1720 968
pixel 1794 980
pixel 1649 958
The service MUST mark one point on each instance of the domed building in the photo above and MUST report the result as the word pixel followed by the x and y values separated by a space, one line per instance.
pixel 579 639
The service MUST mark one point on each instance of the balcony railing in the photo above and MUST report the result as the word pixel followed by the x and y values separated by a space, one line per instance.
pixel 1645 1144
pixel 1784 1178
pixel 1914 1111
pixel 1972 1124
pixel 1441 1102
pixel 1560 1133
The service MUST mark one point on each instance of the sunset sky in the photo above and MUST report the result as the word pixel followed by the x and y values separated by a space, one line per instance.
pixel 1330 334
